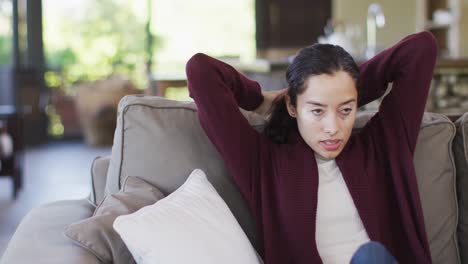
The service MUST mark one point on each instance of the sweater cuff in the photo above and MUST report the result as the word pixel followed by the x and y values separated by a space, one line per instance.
pixel 254 98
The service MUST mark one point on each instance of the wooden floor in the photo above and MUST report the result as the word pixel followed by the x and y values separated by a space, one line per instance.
pixel 54 171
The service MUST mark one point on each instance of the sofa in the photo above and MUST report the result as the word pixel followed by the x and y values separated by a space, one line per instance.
pixel 161 142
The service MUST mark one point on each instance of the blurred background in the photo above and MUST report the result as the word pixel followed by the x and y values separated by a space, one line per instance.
pixel 64 66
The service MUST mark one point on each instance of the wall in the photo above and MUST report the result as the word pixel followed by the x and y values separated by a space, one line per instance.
pixel 464 28
pixel 400 17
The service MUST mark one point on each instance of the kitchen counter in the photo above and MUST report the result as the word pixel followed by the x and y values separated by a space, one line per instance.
pixel 448 66
pixel 267 66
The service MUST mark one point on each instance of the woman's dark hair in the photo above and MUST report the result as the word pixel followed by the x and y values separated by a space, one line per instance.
pixel 313 60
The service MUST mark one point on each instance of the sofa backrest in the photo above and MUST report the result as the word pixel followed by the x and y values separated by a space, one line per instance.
pixel 161 141
pixel 460 149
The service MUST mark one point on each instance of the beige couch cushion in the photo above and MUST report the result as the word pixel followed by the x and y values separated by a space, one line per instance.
pixel 460 149
pixel 162 142
pixel 99 169
pixel 39 238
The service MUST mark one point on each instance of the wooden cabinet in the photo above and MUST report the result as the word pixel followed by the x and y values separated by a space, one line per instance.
pixel 284 26
pixel 441 17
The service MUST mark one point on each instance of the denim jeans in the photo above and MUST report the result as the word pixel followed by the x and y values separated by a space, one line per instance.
pixel 373 252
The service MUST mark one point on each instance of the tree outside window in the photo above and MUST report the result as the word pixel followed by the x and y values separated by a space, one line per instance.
pixel 5 31
pixel 89 40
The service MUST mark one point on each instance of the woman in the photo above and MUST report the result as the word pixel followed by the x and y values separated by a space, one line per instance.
pixel 316 191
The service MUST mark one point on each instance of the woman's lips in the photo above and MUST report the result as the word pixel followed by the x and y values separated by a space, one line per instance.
pixel 330 145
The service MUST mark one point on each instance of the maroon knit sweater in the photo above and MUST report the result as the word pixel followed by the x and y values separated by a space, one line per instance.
pixel 280 181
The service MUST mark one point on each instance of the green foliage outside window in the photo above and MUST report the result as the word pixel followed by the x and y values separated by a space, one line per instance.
pixel 5 32
pixel 89 40
pixel 100 39
pixel 5 49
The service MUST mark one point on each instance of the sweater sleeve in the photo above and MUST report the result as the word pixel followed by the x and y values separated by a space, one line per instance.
pixel 409 66
pixel 218 91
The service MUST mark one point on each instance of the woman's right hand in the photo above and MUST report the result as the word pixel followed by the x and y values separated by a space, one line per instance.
pixel 268 98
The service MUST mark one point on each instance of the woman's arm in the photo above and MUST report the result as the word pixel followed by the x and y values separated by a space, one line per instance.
pixel 218 91
pixel 409 66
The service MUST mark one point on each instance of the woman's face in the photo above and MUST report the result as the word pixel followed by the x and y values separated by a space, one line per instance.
pixel 326 112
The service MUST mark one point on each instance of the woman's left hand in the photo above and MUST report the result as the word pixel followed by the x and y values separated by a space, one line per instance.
pixel 268 98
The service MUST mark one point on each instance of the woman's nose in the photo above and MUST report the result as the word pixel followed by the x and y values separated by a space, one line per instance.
pixel 331 126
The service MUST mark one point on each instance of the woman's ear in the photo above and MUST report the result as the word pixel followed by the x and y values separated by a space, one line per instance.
pixel 290 107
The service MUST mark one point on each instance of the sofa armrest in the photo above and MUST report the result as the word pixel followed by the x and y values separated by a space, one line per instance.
pixel 39 237
pixel 98 179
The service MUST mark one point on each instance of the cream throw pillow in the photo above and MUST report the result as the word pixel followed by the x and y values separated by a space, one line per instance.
pixel 191 225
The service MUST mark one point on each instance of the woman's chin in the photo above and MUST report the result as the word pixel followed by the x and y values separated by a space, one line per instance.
pixel 327 155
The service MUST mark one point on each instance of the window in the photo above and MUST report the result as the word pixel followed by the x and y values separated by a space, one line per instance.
pixel 215 27
pixel 5 31
pixel 88 40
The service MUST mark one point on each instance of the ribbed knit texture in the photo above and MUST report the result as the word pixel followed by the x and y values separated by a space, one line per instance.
pixel 280 181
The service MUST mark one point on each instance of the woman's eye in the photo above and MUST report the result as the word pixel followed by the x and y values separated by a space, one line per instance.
pixel 316 111
pixel 347 111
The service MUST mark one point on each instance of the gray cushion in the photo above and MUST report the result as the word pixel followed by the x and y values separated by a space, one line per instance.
pixel 162 141
pixel 460 150
pixel 96 233
pixel 39 239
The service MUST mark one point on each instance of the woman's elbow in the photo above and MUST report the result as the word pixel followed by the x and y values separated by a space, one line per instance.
pixel 428 45
pixel 196 65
